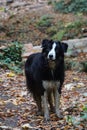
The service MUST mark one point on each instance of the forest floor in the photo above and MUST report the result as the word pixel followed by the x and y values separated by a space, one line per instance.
pixel 17 107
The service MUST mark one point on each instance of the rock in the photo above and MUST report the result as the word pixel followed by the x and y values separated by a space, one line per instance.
pixel 5 128
pixel 79 44
pixel 37 48
pixel 27 50
pixel 9 1
pixel 18 4
pixel 72 53
pixel 25 55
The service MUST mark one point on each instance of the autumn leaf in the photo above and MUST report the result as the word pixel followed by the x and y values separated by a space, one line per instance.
pixel 10 74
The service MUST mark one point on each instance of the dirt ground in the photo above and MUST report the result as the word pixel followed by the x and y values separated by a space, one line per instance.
pixel 17 107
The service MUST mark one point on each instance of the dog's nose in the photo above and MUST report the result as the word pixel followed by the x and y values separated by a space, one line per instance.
pixel 50 56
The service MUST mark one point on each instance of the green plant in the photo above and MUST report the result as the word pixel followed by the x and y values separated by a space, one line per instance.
pixel 63 30
pixel 59 35
pixel 76 120
pixel 71 64
pixel 44 21
pixel 84 113
pixel 10 57
pixel 84 66
pixel 13 52
pixel 71 6
pixel 51 30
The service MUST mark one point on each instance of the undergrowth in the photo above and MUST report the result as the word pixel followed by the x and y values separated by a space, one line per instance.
pixel 69 30
pixel 71 6
pixel 77 120
pixel 44 21
pixel 10 57
pixel 70 64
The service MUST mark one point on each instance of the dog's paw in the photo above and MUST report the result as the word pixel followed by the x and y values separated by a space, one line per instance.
pixel 39 113
pixel 52 109
pixel 59 115
pixel 46 118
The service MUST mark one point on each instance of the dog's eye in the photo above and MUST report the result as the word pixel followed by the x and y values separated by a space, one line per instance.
pixel 47 49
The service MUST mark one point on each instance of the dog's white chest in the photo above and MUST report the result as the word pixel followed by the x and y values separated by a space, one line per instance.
pixel 50 84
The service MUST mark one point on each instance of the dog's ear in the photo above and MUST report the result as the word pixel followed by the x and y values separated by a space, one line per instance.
pixel 64 46
pixel 44 43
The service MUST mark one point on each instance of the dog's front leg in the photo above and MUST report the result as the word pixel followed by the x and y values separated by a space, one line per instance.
pixel 57 102
pixel 45 106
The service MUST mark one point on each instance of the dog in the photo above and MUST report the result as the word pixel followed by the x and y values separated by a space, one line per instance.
pixel 44 73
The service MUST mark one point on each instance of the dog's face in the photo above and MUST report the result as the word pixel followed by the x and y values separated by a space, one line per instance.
pixel 53 50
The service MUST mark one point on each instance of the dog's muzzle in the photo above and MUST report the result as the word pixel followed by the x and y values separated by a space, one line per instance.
pixel 51 57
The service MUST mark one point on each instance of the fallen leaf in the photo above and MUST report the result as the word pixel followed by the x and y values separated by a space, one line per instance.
pixel 85 94
pixel 70 86
pixel 10 74
pixel 76 79
pixel 1 80
pixel 2 102
pixel 58 129
pixel 5 128
pixel 80 85
pixel 27 127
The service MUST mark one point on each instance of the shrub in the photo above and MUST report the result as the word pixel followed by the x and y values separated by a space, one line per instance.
pixel 10 57
pixel 44 21
pixel 59 35
pixel 67 30
pixel 72 6
pixel 51 30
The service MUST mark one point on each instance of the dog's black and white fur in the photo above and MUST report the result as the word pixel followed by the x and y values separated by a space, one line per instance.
pixel 45 75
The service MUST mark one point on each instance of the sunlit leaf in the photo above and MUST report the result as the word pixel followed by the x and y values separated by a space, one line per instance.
pixel 10 74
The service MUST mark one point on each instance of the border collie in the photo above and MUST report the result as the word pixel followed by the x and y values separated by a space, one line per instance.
pixel 45 75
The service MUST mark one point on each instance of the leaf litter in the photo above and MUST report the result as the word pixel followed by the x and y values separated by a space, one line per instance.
pixel 18 109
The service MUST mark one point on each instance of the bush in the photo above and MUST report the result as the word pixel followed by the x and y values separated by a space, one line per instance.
pixel 69 30
pixel 10 57
pixel 59 35
pixel 51 31
pixel 44 21
pixel 72 6
pixel 71 64
pixel 84 66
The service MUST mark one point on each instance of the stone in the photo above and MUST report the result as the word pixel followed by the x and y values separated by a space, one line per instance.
pixel 78 44
pixel 5 128
pixel 75 46
pixel 18 4
pixel 9 1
